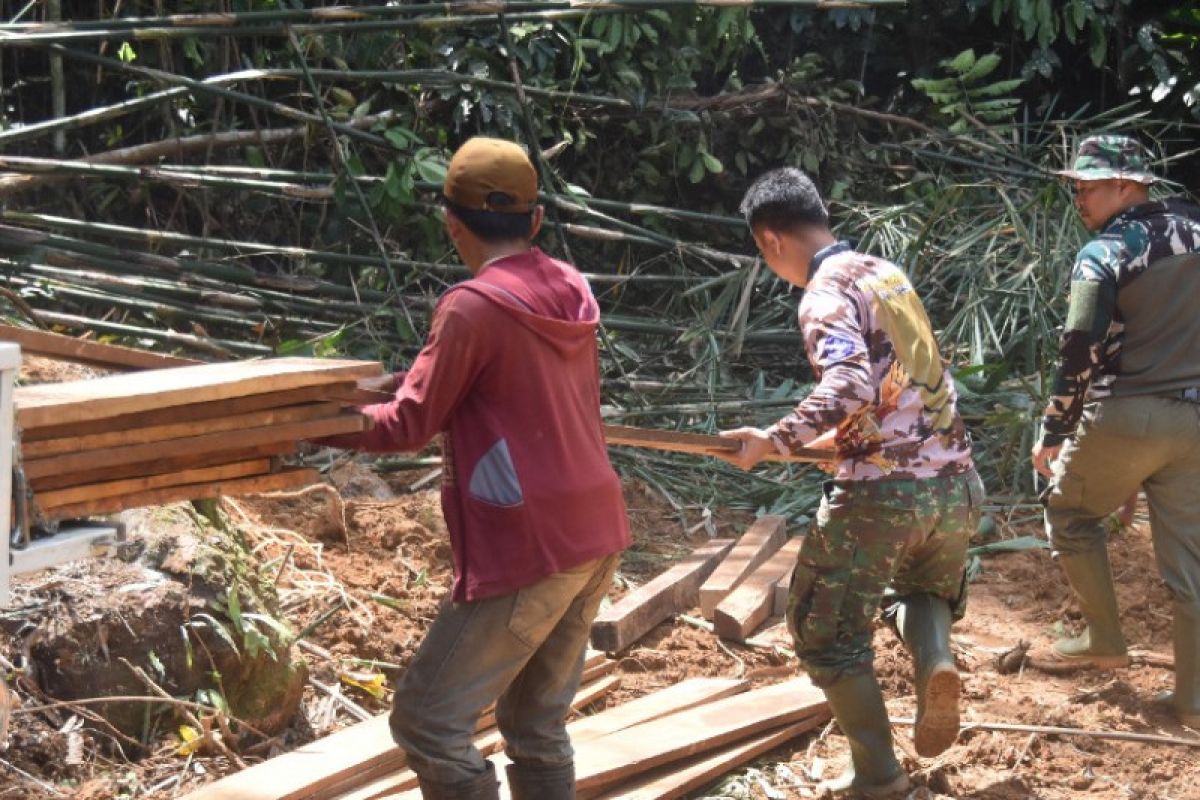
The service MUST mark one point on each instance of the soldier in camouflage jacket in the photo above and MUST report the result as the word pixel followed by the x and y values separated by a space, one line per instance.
pixel 1125 408
pixel 895 520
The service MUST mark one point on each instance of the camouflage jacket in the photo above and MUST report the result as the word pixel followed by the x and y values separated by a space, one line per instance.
pixel 883 388
pixel 1127 333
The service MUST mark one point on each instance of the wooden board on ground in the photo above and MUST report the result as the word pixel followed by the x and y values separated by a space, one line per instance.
pixel 755 546
pixel 672 592
pixel 98 398
pixel 674 781
pixel 749 605
pixel 697 443
pixel 609 760
pixel 194 445
pixel 343 392
pixel 161 466
pixel 274 482
pixel 402 783
pixel 83 351
pixel 94 491
pixel 158 433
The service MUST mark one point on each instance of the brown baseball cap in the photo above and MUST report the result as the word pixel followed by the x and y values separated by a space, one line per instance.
pixel 491 175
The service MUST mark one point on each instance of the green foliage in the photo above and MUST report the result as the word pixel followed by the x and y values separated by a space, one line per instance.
pixel 1092 23
pixel 964 93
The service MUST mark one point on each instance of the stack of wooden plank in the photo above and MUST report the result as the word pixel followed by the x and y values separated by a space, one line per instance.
pixel 102 445
pixel 737 585
pixel 659 746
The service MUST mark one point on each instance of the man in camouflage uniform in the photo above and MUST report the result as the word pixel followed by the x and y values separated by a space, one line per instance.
pixel 904 500
pixel 1126 405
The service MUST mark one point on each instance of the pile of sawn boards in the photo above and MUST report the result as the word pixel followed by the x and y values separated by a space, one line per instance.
pixel 102 445
pixel 662 745
pixel 738 585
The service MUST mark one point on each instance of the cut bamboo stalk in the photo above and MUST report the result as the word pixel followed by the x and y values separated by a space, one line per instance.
pixel 159 433
pixel 195 445
pixel 83 401
pixel 94 491
pixel 676 590
pixel 258 484
pixel 748 606
pixel 756 545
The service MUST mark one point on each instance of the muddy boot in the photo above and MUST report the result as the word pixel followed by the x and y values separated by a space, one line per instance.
pixel 1184 702
pixel 531 780
pixel 923 622
pixel 857 705
pixel 483 787
pixel 1101 646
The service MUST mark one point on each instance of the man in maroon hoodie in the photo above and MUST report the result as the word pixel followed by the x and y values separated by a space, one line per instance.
pixel 510 376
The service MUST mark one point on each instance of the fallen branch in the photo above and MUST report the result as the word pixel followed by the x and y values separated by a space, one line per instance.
pixel 1050 730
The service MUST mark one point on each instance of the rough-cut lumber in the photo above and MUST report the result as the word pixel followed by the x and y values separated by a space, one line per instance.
pixel 672 592
pixel 80 494
pixel 288 479
pixel 671 700
pixel 697 443
pixel 782 589
pixel 747 606
pixel 757 544
pixel 674 781
pixel 402 783
pixel 205 443
pixel 609 760
pixel 178 430
pixel 218 409
pixel 161 466
pixel 82 351
pixel 99 398
pixel 592 673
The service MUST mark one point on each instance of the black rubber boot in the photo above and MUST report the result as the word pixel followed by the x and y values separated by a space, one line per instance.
pixel 1102 645
pixel 857 705
pixel 923 622
pixel 484 787
pixel 529 780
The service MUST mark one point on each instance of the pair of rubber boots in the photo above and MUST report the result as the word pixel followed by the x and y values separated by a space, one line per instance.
pixel 526 781
pixel 1102 645
pixel 923 622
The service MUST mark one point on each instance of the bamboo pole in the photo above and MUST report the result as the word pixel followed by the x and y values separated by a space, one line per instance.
pixel 372 18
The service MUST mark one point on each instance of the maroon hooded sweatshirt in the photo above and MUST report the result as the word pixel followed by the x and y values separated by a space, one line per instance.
pixel 510 374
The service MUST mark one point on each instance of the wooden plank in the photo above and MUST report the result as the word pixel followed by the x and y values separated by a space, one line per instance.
pixel 673 699
pixel 235 487
pixel 702 444
pixel 782 590
pixel 162 466
pixel 217 409
pixel 675 781
pixel 592 673
pixel 98 398
pixel 609 760
pixel 83 351
pixel 204 443
pixel 755 546
pixel 672 592
pixel 178 430
pixel 79 494
pixel 747 606
pixel 402 784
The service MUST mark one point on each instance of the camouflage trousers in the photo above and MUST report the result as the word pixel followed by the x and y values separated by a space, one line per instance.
pixel 874 542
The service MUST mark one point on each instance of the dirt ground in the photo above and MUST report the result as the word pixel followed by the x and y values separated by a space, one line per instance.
pixel 367 574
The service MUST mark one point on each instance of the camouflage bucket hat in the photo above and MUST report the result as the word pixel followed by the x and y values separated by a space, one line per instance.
pixel 1110 157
